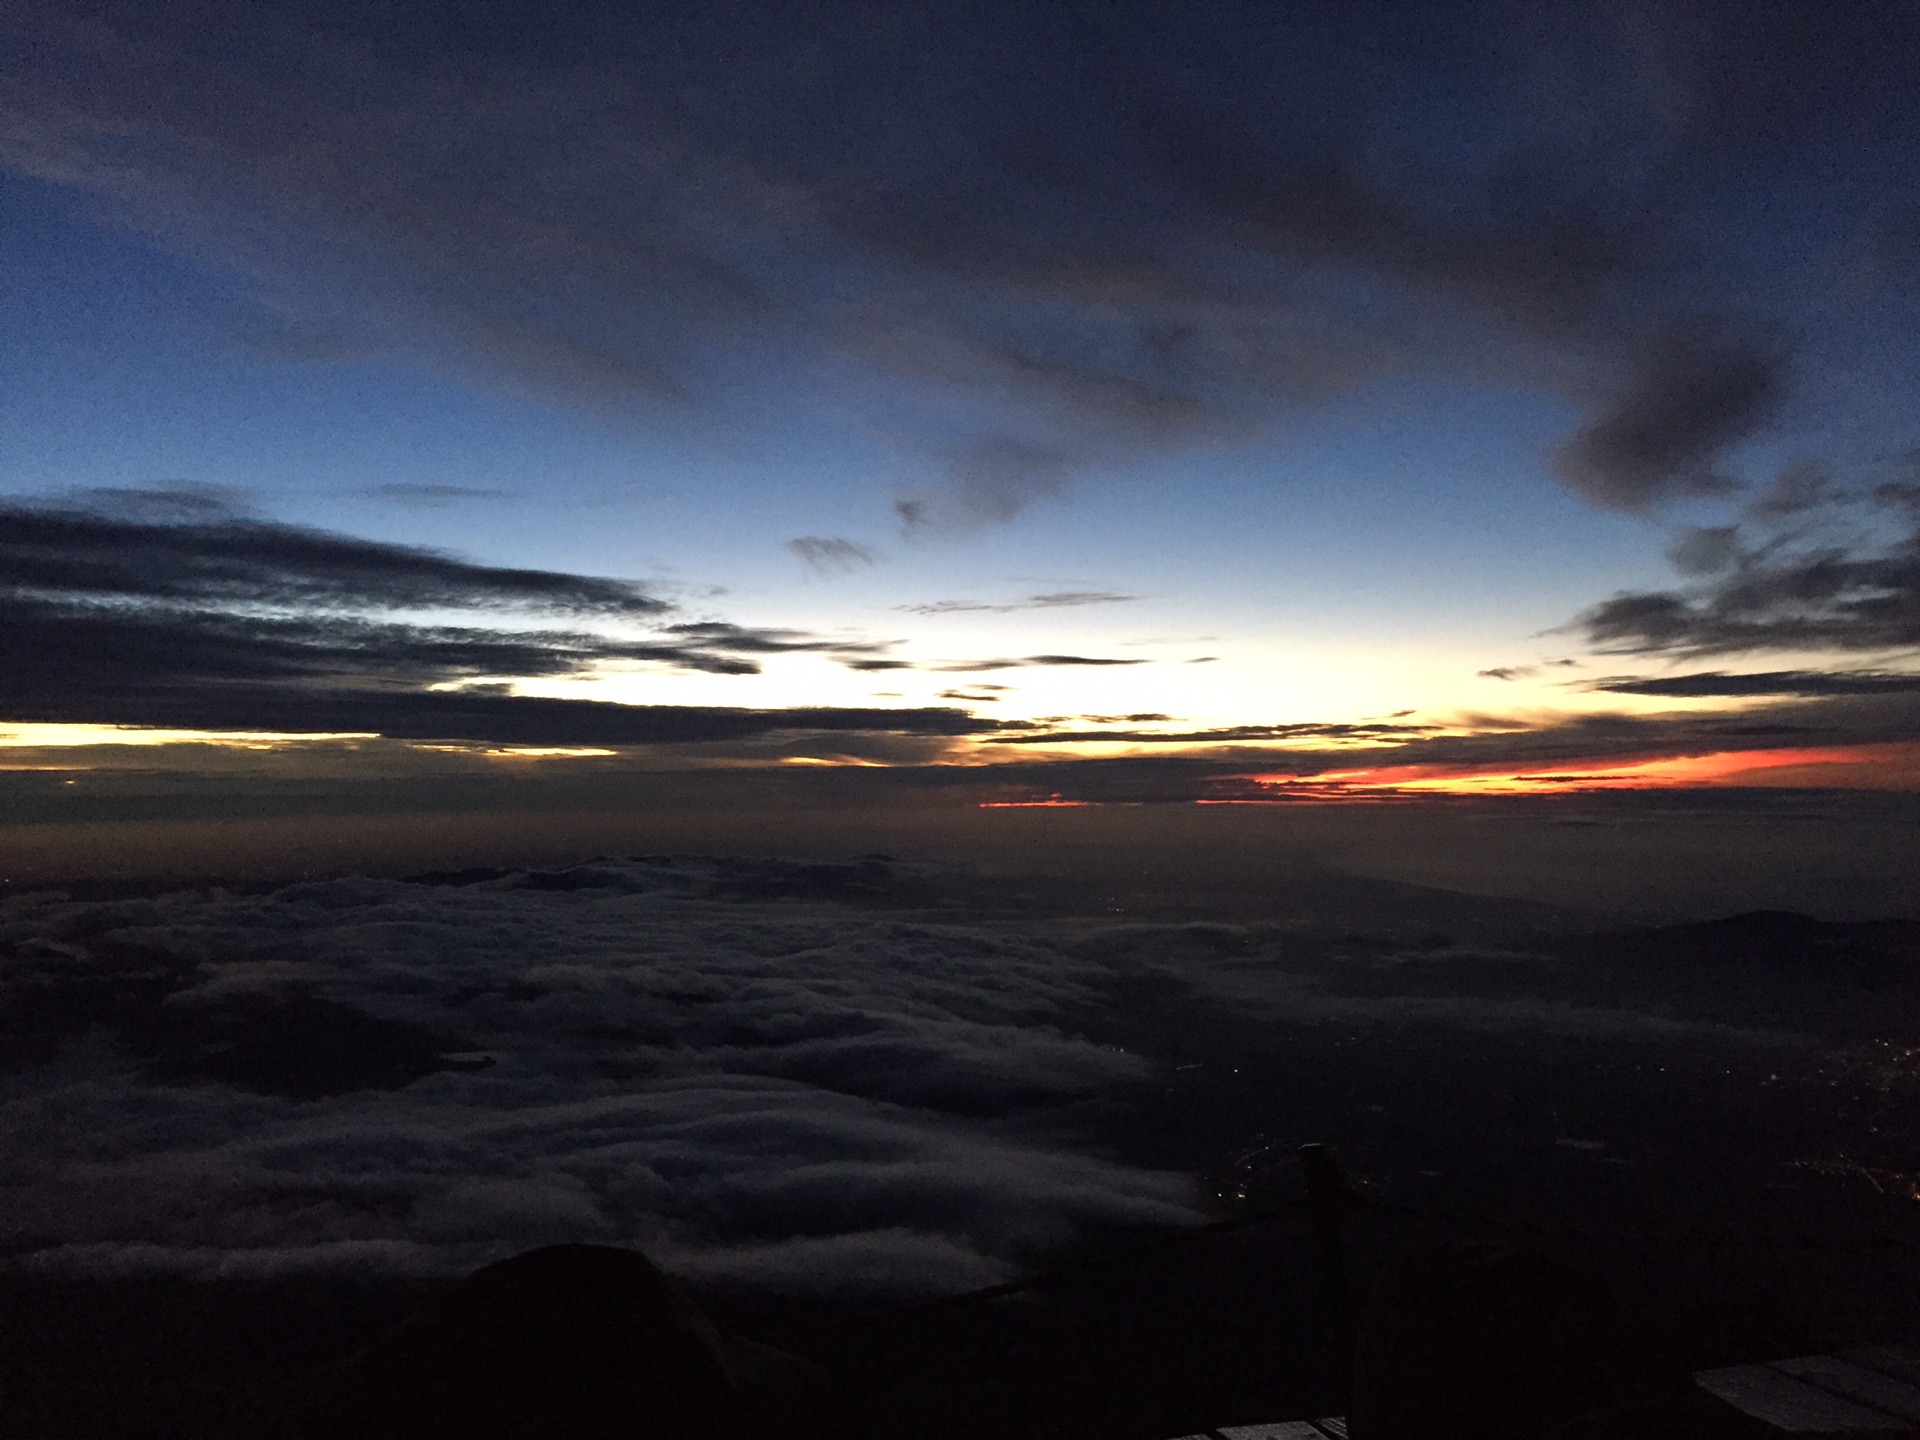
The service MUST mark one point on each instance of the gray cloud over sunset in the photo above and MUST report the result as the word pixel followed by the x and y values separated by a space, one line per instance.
pixel 1809 597
pixel 1767 682
pixel 205 619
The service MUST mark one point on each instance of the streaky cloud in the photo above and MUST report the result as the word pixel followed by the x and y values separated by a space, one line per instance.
pixel 1225 735
pixel 204 619
pixel 427 496
pixel 1054 600
pixel 1812 599
pixel 1715 683
pixel 201 556
pixel 963 667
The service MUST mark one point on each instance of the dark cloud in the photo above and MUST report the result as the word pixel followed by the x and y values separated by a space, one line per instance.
pixel 830 555
pixel 1054 600
pixel 1797 490
pixel 202 556
pixel 208 620
pixel 743 640
pixel 962 667
pixel 224 672
pixel 987 483
pixel 460 716
pixel 1220 764
pixel 916 762
pixel 1705 550
pixel 1697 388
pixel 972 667
pixel 1508 672
pixel 1101 250
pixel 1901 495
pixel 1544 266
pixel 1767 682
pixel 1810 599
pixel 1226 735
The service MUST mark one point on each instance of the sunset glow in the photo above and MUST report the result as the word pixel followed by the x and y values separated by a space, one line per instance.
pixel 1864 767
pixel 48 737
pixel 1052 802
pixel 1038 456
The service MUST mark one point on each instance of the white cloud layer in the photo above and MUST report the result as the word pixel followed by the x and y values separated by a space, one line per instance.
pixel 794 1094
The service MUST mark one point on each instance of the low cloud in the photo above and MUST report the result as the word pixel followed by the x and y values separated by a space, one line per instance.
pixel 973 667
pixel 1808 599
pixel 1799 489
pixel 1225 735
pixel 1041 661
pixel 172 609
pixel 1705 550
pixel 205 555
pixel 478 717
pixel 1766 682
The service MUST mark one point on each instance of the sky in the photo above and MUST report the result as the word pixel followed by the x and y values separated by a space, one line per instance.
pixel 1249 403
pixel 1194 452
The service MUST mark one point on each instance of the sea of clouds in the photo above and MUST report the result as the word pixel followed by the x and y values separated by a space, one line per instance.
pixel 819 1078
pixel 390 1076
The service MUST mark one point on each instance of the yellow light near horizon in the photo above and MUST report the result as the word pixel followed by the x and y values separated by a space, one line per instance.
pixel 61 737
pixel 516 752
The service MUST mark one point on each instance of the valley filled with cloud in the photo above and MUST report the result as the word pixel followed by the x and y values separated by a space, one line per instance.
pixel 850 1078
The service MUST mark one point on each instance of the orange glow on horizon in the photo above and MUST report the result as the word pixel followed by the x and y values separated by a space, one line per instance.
pixel 1854 767
pixel 517 752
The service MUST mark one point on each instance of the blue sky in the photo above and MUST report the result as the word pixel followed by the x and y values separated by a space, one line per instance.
pixel 1321 359
pixel 1414 498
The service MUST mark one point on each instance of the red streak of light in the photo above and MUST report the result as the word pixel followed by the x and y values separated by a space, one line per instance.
pixel 1052 802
